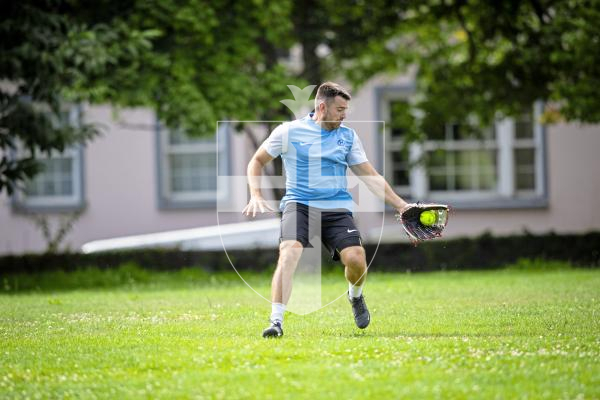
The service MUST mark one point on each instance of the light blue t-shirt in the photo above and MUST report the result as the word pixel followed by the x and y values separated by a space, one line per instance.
pixel 315 162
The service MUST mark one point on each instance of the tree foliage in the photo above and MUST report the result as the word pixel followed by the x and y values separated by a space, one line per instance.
pixel 47 60
pixel 484 57
pixel 196 62
pixel 193 62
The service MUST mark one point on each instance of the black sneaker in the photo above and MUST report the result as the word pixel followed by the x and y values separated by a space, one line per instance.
pixel 360 311
pixel 275 330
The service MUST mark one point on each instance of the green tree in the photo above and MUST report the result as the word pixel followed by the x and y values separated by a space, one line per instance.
pixel 196 62
pixel 192 61
pixel 473 58
pixel 47 59
pixel 484 57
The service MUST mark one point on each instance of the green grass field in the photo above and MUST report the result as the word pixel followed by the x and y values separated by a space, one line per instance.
pixel 500 334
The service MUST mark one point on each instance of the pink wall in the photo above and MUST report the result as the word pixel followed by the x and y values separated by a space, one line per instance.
pixel 573 163
pixel 120 189
pixel 121 193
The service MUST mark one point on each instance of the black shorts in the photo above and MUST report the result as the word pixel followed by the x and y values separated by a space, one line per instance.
pixel 300 222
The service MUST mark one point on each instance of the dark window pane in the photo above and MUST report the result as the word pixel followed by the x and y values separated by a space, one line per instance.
pixel 402 120
pixel 435 132
pixel 524 126
pixel 465 132
pixel 66 187
pixel 487 181
pixel 398 132
pixel 525 181
pixel 465 159
pixel 64 165
pixel 178 137
pixel 400 169
pixel 177 184
pixel 454 132
pixel 48 188
pixel 525 169
pixel 208 161
pixel 486 161
pixel 397 157
pixel 470 132
pixel 210 183
pixel 196 183
pixel 437 158
pixel 438 182
pixel 401 178
pixel 489 133
pixel 524 157
pixel 464 181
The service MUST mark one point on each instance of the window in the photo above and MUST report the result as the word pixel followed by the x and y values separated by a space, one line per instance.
pixel 466 165
pixel 398 160
pixel 58 186
pixel 525 154
pixel 188 169
pixel 463 161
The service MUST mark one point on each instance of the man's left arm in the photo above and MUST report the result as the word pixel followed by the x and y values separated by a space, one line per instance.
pixel 377 184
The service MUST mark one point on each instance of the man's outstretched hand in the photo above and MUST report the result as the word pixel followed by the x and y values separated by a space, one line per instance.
pixel 257 204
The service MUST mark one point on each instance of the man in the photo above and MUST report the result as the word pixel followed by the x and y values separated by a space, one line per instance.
pixel 316 152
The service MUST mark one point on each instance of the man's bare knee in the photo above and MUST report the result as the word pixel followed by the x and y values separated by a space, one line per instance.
pixel 354 257
pixel 290 244
pixel 290 252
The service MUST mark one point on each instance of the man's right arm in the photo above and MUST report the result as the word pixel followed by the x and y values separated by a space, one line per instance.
pixel 255 166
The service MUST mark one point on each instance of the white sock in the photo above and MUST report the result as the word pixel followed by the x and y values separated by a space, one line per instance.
pixel 277 310
pixel 354 290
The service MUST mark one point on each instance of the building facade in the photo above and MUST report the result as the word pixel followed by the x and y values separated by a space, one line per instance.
pixel 138 178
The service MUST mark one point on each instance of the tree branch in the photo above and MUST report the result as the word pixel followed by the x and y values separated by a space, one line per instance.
pixel 463 24
pixel 539 11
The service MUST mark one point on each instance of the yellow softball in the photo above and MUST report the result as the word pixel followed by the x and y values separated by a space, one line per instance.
pixel 427 218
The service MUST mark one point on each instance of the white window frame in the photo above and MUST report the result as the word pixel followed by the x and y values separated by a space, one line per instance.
pixel 75 201
pixel 505 196
pixel 168 199
pixel 394 144
pixel 462 145
pixel 59 202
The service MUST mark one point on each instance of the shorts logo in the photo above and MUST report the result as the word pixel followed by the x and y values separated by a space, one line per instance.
pixel 351 230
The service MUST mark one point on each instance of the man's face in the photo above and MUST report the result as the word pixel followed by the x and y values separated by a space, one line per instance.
pixel 335 112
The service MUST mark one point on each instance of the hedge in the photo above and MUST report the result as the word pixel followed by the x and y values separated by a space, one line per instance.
pixel 484 252
pixel 488 252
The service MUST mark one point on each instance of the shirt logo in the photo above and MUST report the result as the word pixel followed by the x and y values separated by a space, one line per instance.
pixel 351 230
pixel 304 143
pixel 340 142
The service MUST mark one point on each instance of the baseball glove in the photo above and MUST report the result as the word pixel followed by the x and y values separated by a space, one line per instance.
pixel 413 223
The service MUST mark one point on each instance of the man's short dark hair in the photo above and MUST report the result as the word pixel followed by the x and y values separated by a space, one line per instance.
pixel 329 90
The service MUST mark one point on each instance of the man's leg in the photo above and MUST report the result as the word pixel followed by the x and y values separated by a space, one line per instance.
pixel 355 261
pixel 281 285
